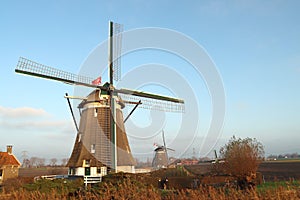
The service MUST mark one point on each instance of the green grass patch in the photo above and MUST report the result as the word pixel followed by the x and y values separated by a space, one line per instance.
pixel 61 186
pixel 276 184
pixel 283 160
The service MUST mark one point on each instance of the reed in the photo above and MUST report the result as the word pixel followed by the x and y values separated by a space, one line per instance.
pixel 132 189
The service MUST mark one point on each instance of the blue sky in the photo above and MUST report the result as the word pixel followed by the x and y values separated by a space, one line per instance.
pixel 254 44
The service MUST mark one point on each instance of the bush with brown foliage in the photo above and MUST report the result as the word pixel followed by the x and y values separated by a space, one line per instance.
pixel 242 156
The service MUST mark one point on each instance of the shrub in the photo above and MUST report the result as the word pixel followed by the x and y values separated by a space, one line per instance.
pixel 242 157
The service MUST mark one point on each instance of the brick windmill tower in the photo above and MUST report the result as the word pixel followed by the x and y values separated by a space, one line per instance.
pixel 101 144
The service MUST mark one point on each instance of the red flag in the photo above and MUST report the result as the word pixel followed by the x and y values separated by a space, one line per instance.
pixel 97 81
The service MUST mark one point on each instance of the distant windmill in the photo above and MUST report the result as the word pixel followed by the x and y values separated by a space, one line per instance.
pixel 216 156
pixel 161 159
pixel 101 143
pixel 217 160
pixel 25 159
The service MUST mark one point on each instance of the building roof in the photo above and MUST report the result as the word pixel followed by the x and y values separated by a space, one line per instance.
pixel 8 159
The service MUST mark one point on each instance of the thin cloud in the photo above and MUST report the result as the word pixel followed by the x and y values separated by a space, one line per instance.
pixel 33 125
pixel 23 112
pixel 63 133
pixel 26 118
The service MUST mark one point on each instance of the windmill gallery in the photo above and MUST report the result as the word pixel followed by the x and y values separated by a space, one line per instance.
pixel 101 144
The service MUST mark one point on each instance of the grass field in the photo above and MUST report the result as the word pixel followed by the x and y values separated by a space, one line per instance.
pixel 130 188
pixel 145 186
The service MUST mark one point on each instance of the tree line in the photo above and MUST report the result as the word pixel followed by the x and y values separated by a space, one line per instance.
pixel 42 162
pixel 282 156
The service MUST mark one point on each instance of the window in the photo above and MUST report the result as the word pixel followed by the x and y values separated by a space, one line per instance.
pixel 87 163
pixel 95 112
pixel 104 171
pixel 87 171
pixel 79 137
pixel 72 171
pixel 93 148
pixel 1 173
pixel 98 170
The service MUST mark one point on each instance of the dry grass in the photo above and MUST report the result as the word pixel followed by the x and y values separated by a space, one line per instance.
pixel 129 188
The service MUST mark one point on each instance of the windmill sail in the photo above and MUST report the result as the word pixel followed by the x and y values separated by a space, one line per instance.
pixel 117 48
pixel 149 101
pixel 29 67
pixel 152 101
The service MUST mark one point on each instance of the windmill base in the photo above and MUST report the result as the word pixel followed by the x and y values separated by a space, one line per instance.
pixel 87 171
pixel 97 171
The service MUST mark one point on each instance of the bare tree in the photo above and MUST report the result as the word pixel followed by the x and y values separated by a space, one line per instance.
pixel 295 155
pixel 64 161
pixel 40 162
pixel 53 161
pixel 33 161
pixel 242 157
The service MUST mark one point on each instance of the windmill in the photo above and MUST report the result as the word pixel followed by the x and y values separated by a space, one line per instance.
pixel 161 159
pixel 217 160
pixel 101 143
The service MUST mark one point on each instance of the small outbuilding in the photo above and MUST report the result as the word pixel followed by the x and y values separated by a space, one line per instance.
pixel 9 165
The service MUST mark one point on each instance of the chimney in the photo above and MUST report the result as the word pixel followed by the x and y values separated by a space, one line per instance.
pixel 9 149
